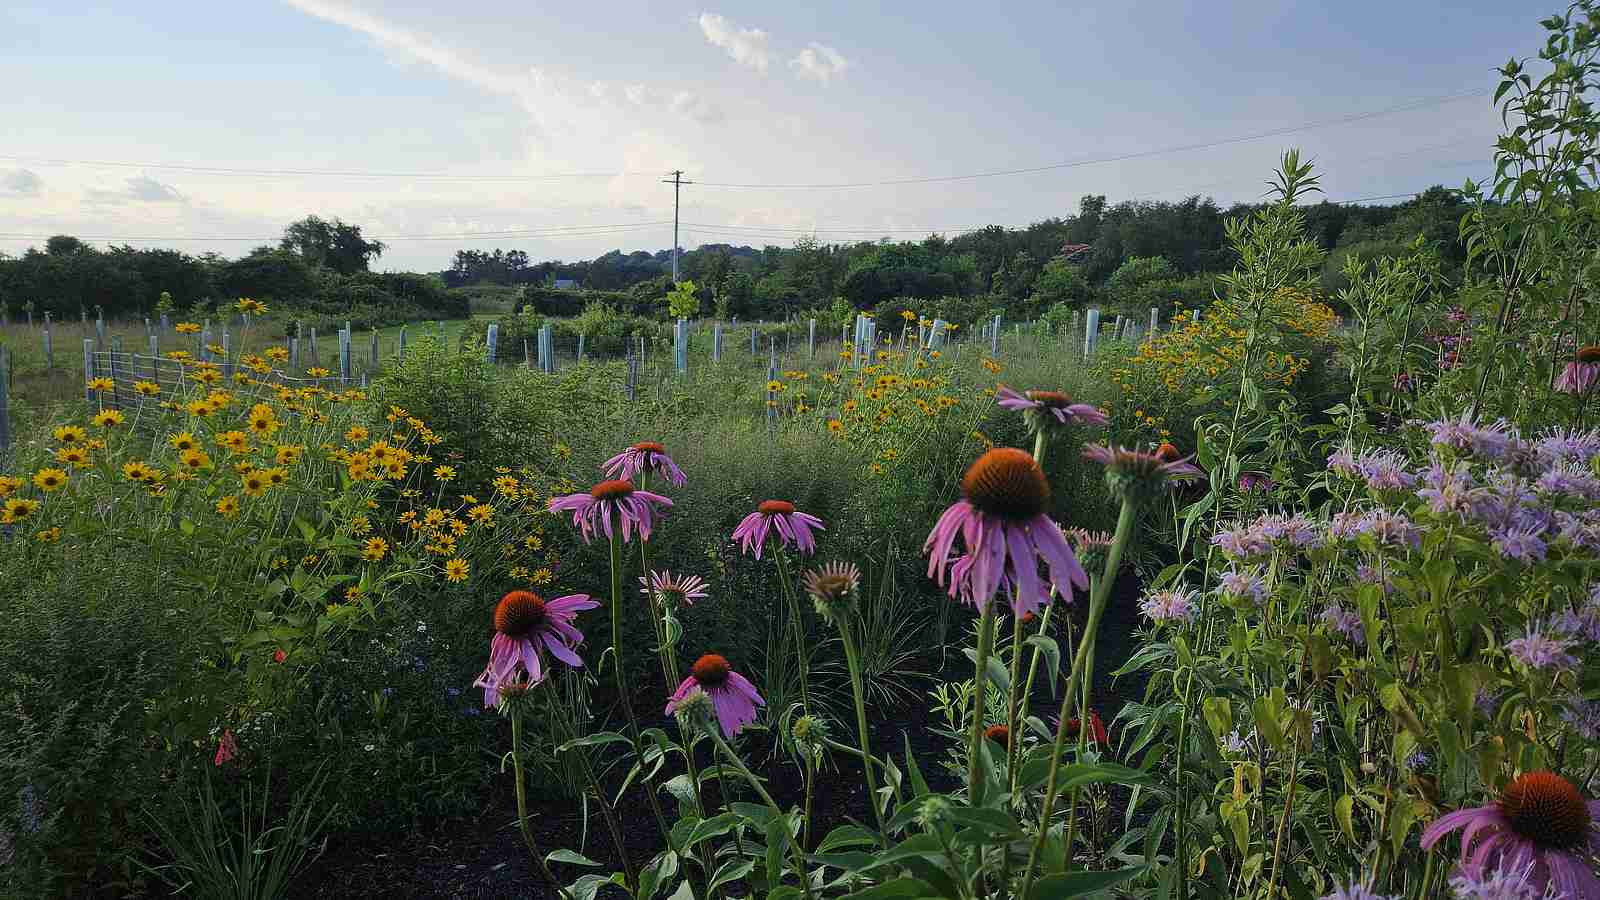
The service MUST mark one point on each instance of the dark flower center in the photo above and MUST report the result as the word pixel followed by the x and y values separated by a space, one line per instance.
pixel 1168 453
pixel 519 614
pixel 711 670
pixel 775 508
pixel 1052 399
pixel 1000 734
pixel 649 447
pixel 615 489
pixel 1546 809
pixel 1006 482
pixel 1590 354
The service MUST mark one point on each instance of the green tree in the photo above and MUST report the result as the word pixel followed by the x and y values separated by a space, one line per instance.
pixel 331 245
pixel 1059 283
pixel 683 301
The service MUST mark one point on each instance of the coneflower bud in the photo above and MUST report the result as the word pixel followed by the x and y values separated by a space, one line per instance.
pixel 809 731
pixel 832 588
pixel 516 697
pixel 695 713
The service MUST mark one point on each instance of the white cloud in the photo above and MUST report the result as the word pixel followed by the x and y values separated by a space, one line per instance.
pixel 747 46
pixel 20 183
pixel 819 63
pixel 138 189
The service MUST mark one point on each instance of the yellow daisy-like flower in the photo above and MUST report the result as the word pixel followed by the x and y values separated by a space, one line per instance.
pixel 457 527
pixel 246 305
pixel 70 434
pixel 360 525
pixel 50 479
pixel 318 372
pixel 434 517
pixel 237 441
pixel 263 420
pixel 483 514
pixel 138 470
pixel 542 576
pixel 194 458
pixel 277 354
pixel 101 384
pixel 182 441
pixel 519 572
pixel 444 473
pixel 215 349
pixel 9 485
pixel 106 418
pixel 187 328
pixel 200 408
pixel 287 455
pixel 207 376
pixel 276 476
pixel 456 570
pixel 408 515
pixel 533 542
pixel 17 509
pixel 254 484
pixel 179 355
pixel 375 549
pixel 147 388
pixel 356 435
pixel 507 484
pixel 774 386
pixel 73 456
pixel 49 535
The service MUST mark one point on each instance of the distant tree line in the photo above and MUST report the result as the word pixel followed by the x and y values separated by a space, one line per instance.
pixel 319 267
pixel 1130 255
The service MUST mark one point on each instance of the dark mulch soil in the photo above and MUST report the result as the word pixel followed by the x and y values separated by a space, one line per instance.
pixel 484 858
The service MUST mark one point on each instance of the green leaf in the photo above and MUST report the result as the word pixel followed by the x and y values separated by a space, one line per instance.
pixel 571 858
pixel 731 871
pixel 1079 884
pixel 847 836
pixel 684 892
pixel 1051 651
pixel 594 740
pixel 657 874
pixel 993 822
pixel 895 889
pixel 588 886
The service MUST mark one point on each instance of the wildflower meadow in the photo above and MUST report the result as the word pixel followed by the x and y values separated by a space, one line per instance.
pixel 1294 596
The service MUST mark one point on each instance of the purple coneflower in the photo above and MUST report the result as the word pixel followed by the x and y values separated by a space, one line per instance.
pixel 777 517
pixel 1044 409
pixel 525 625
pixel 675 590
pixel 962 588
pixel 1250 482
pixel 1580 374
pixel 1002 523
pixel 594 510
pixel 1169 607
pixel 644 458
pixel 732 695
pixel 1540 824
pixel 1140 474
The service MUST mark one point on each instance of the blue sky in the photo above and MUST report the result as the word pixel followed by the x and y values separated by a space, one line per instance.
pixel 621 92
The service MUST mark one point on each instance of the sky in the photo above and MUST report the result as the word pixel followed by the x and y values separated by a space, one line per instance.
pixel 550 127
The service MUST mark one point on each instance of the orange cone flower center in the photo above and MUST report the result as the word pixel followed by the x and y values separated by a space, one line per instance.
pixel 1000 734
pixel 519 614
pixel 615 489
pixel 711 670
pixel 1052 399
pixel 1168 453
pixel 1547 810
pixel 1006 482
pixel 775 508
pixel 649 447
pixel 1590 354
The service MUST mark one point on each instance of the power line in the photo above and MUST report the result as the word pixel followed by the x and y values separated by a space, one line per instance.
pixel 447 176
pixel 1122 157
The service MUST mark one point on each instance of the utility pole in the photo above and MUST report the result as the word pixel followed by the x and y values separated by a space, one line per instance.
pixel 677 183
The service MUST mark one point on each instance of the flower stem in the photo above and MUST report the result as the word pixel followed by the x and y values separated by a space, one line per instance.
pixel 853 659
pixel 980 678
pixel 798 624
pixel 794 848
pixel 622 679
pixel 1097 605
pixel 522 806
pixel 1027 690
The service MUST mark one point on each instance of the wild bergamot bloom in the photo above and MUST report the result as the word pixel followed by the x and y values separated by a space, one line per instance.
pixel 455 570
pixel 106 418
pixel 1003 524
pixel 50 479
pixel 375 549
pixel 70 434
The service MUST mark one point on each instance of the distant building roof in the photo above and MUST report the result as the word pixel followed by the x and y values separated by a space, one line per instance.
pixel 1070 252
pixel 566 284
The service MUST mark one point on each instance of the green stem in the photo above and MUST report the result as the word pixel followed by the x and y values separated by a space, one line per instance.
pixel 622 680
pixel 980 686
pixel 1097 603
pixel 794 848
pixel 522 806
pixel 1027 691
pixel 853 660
pixel 797 623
